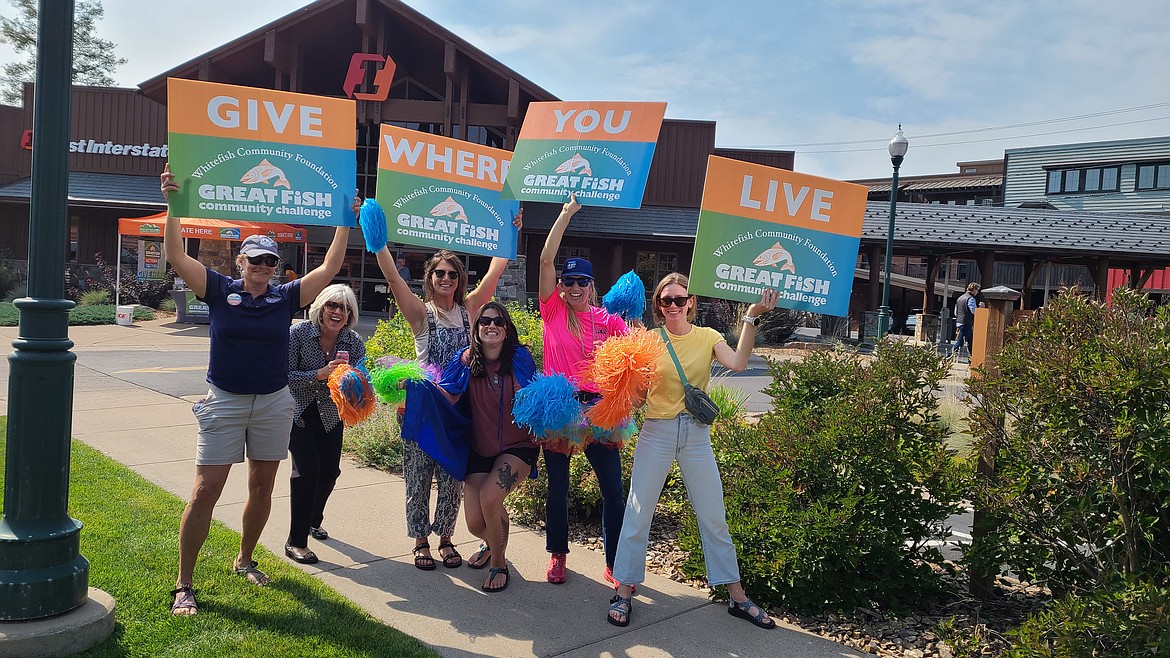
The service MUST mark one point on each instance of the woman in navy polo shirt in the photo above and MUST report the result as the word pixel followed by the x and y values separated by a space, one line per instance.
pixel 248 408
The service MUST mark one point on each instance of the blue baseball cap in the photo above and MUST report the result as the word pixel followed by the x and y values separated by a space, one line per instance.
pixel 577 267
pixel 258 245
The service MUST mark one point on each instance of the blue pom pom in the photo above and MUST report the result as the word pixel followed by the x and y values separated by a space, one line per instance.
pixel 352 388
pixel 546 405
pixel 627 297
pixel 373 223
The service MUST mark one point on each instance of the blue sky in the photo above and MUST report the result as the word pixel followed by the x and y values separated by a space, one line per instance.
pixel 789 74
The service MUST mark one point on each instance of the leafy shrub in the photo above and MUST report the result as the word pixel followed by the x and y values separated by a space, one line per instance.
pixel 376 441
pixel 1080 496
pixel 526 504
pixel 94 298
pixel 732 402
pixel 833 496
pixel 10 278
pixel 1129 622
pixel 775 328
pixel 102 276
pixel 105 314
pixel 167 304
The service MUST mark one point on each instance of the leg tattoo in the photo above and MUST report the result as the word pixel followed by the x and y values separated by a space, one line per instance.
pixel 507 477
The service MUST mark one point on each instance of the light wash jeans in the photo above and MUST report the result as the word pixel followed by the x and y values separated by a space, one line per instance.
pixel 660 444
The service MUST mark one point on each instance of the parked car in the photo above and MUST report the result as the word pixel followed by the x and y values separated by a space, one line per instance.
pixel 911 322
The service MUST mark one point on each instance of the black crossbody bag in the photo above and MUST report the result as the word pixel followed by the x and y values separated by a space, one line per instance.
pixel 698 403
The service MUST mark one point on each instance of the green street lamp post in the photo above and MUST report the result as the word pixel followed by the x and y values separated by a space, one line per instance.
pixel 898 146
pixel 42 571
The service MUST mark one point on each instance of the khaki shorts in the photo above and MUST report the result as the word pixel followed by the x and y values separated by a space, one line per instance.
pixel 229 423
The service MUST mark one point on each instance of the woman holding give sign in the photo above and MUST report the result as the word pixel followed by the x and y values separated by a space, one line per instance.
pixel 248 410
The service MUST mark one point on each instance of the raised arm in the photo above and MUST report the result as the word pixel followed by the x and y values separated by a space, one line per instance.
pixel 737 359
pixel 315 281
pixel 548 255
pixel 412 308
pixel 486 289
pixel 189 269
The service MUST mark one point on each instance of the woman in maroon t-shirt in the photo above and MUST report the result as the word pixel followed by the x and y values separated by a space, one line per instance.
pixel 502 454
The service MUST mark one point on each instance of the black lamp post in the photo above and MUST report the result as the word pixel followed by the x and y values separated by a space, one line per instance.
pixel 898 147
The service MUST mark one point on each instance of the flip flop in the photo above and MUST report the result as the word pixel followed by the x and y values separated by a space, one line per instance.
pixel 492 573
pixel 484 553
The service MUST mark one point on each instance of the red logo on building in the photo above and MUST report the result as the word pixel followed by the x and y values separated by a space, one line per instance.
pixel 26 140
pixel 357 73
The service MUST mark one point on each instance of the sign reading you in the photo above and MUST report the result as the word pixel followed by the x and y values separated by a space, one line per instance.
pixel 445 193
pixel 240 153
pixel 601 151
pixel 761 227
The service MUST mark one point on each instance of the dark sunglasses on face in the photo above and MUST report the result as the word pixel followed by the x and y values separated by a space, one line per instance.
pixel 680 302
pixel 570 281
pixel 450 274
pixel 487 321
pixel 267 259
pixel 334 306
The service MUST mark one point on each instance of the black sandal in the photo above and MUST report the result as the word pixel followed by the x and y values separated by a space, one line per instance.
pixel 185 602
pixel 424 562
pixel 484 553
pixel 740 609
pixel 492 573
pixel 621 605
pixel 452 560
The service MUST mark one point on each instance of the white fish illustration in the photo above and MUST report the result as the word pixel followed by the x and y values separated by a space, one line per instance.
pixel 777 254
pixel 264 172
pixel 449 208
pixel 574 163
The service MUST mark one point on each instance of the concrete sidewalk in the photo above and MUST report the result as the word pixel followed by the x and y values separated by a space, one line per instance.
pixel 368 560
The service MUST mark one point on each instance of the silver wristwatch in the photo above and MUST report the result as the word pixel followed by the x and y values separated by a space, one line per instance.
pixel 750 320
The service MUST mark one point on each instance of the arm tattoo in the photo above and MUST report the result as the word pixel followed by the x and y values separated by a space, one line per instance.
pixel 507 477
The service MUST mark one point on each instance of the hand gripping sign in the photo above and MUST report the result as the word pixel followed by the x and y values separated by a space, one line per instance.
pixel 761 227
pixel 258 155
pixel 445 193
pixel 601 151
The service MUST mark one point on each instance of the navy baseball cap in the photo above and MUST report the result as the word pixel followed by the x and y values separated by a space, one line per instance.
pixel 577 267
pixel 258 245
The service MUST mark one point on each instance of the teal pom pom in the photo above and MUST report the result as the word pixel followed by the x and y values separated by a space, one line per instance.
pixel 627 297
pixel 546 405
pixel 373 223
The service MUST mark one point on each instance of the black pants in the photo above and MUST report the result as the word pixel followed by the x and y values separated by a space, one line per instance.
pixel 316 456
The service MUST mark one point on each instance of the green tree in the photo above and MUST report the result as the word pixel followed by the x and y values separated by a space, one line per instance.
pixel 94 61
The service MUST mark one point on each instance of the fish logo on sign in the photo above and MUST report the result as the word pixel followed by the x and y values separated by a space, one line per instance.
pixel 229 233
pixel 449 208
pixel 264 172
pixel 776 255
pixel 574 163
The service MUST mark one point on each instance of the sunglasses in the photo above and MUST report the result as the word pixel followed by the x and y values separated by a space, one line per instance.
pixel 267 259
pixel 487 321
pixel 680 302
pixel 450 274
pixel 570 281
pixel 335 306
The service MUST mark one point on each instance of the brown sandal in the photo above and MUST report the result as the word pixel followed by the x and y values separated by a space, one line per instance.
pixel 185 601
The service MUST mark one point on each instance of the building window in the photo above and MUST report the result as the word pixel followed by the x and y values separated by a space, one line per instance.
pixel 653 265
pixel 1154 176
pixel 565 253
pixel 1083 180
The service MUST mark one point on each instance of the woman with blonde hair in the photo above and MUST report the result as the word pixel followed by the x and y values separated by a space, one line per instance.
pixel 441 324
pixel 670 434
pixel 316 348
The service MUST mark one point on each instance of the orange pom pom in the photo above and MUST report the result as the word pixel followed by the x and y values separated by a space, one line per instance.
pixel 351 392
pixel 624 368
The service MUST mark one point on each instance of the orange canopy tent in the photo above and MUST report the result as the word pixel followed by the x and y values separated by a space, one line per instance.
pixel 210 229
pixel 205 229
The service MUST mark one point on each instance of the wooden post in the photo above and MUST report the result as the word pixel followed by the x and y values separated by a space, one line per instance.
pixel 987 341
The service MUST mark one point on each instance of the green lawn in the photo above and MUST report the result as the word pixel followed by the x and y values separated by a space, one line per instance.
pixel 81 315
pixel 131 540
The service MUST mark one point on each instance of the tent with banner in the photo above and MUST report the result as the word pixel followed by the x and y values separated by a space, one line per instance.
pixel 203 229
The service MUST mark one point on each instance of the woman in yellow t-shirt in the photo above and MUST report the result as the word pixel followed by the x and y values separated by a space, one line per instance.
pixel 671 434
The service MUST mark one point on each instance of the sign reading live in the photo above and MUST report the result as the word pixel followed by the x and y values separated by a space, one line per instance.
pixel 761 227
pixel 601 151
pixel 445 193
pixel 240 153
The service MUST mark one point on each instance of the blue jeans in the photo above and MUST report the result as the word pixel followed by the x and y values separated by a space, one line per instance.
pixel 607 465
pixel 965 331
pixel 660 444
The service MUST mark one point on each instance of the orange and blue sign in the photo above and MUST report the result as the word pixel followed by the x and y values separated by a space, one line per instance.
pixel 240 153
pixel 444 193
pixel 761 227
pixel 600 150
